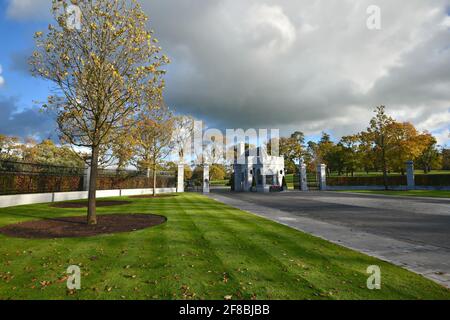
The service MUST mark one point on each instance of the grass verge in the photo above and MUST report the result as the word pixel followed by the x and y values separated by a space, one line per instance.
pixel 206 250
pixel 411 193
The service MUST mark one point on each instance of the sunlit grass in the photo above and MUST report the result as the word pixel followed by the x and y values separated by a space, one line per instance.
pixel 206 250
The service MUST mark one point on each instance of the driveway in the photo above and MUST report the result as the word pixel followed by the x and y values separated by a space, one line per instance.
pixel 411 232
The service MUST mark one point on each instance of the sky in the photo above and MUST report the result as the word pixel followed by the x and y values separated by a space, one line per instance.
pixel 293 65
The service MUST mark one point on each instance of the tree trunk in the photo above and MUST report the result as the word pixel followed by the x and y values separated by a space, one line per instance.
pixel 154 180
pixel 385 175
pixel 92 215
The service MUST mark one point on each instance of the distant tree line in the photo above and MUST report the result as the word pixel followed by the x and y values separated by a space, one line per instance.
pixel 384 146
pixel 31 151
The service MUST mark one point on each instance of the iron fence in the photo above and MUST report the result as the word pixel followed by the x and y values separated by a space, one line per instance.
pixel 23 178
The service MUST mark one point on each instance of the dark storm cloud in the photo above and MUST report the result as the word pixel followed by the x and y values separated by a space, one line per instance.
pixel 29 122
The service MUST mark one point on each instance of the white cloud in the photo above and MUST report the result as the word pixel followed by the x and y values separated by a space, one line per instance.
pixel 2 80
pixel 29 9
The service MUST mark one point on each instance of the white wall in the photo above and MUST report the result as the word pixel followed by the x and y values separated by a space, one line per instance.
pixel 25 199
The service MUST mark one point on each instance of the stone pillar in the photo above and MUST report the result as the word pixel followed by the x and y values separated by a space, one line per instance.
pixel 237 178
pixel 206 181
pixel 240 151
pixel 266 187
pixel 249 178
pixel 86 177
pixel 410 175
pixel 322 175
pixel 303 177
pixel 180 178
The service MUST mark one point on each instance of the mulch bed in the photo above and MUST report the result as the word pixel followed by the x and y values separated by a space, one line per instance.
pixel 76 227
pixel 84 204
pixel 149 196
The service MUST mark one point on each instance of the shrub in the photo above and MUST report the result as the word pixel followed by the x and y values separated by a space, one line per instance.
pixel 433 180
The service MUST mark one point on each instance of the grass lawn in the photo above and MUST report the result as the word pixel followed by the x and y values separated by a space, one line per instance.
pixel 219 182
pixel 412 193
pixel 206 250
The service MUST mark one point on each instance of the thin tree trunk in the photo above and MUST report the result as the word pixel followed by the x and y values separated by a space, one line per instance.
pixel 92 215
pixel 154 180
pixel 385 175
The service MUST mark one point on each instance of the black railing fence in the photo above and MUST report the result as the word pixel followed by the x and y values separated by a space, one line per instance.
pixel 24 178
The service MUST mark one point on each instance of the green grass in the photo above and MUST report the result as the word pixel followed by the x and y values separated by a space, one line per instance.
pixel 206 250
pixel 220 182
pixel 411 193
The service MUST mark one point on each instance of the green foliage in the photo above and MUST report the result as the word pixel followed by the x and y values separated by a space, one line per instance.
pixel 217 172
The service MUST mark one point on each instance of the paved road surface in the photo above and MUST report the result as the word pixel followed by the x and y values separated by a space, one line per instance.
pixel 411 232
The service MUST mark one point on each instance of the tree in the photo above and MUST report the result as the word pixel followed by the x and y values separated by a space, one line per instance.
pixel 405 144
pixel 10 148
pixel 430 157
pixel 292 149
pixel 445 159
pixel 99 72
pixel 197 175
pixel 366 153
pixel 48 153
pixel 217 172
pixel 122 149
pixel 378 137
pixel 322 152
pixel 153 137
pixel 182 135
pixel 351 157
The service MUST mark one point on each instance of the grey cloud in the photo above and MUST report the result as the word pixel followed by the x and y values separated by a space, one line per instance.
pixel 19 61
pixel 306 65
pixel 329 78
pixel 25 123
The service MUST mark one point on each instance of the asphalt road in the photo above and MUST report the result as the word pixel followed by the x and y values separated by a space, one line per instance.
pixel 419 221
pixel 410 232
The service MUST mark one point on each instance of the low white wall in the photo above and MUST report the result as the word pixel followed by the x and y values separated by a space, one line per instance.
pixel 382 188
pixel 25 199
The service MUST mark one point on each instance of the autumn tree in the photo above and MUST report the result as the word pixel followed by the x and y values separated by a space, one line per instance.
pixel 378 136
pixel 445 154
pixel 291 148
pixel 431 157
pixel 217 172
pixel 48 153
pixel 367 155
pixel 153 134
pixel 351 157
pixel 99 72
pixel 10 148
pixel 405 143
pixel 122 148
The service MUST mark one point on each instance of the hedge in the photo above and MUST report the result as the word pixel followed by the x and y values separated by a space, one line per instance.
pixel 366 181
pixel 16 183
pixel 13 183
pixel 434 180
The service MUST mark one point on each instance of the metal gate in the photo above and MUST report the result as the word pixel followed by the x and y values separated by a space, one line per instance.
pixel 313 180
